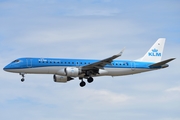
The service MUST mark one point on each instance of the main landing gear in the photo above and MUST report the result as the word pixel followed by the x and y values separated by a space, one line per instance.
pixel 22 79
pixel 82 83
pixel 89 80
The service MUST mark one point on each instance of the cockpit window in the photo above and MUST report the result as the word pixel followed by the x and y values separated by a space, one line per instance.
pixel 15 61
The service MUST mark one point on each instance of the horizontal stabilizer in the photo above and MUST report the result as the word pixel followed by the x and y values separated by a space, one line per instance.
pixel 161 63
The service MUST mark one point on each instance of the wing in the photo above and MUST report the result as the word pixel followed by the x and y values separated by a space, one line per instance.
pixel 100 64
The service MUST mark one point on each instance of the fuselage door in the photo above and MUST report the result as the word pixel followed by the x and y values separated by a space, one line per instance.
pixel 133 65
pixel 29 62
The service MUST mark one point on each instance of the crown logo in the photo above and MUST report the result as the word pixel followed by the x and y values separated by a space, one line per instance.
pixel 154 50
pixel 154 53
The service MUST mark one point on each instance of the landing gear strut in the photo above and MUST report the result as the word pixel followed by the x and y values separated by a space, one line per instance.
pixel 82 83
pixel 22 79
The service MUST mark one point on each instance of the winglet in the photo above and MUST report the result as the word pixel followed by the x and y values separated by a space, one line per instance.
pixel 121 52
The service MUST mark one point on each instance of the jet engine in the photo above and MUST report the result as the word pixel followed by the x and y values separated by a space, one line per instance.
pixel 69 71
pixel 63 79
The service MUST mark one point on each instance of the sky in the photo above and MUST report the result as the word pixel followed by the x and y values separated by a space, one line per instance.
pixel 91 29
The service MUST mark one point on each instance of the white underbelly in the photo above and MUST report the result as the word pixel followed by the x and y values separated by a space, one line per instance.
pixel 37 70
pixel 104 72
pixel 124 71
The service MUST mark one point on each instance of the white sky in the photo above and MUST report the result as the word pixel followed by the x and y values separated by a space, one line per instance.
pixel 89 29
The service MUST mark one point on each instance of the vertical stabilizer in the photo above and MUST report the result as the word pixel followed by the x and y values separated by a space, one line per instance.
pixel 154 54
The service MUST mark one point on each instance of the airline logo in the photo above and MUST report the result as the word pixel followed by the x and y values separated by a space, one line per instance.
pixel 154 52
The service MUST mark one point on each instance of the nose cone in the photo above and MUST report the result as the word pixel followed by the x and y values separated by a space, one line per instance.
pixel 7 68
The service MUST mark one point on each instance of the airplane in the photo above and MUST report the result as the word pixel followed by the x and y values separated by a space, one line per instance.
pixel 64 70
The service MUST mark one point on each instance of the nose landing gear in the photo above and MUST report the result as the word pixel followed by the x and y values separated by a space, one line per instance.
pixel 22 79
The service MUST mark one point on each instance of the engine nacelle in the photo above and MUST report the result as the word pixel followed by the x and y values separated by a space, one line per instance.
pixel 64 79
pixel 72 71
pixel 69 71
pixel 103 72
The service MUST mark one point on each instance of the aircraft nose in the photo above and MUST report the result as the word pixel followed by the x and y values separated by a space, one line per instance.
pixel 7 67
pixel 4 68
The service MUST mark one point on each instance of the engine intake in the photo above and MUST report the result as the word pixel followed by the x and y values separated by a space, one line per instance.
pixel 63 79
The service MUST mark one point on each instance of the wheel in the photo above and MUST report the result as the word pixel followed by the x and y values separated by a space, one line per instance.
pixel 90 80
pixel 82 84
pixel 22 80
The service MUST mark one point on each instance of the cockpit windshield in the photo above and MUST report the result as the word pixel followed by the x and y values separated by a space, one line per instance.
pixel 15 61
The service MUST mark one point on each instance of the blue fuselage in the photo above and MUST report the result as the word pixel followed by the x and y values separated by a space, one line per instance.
pixel 52 65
